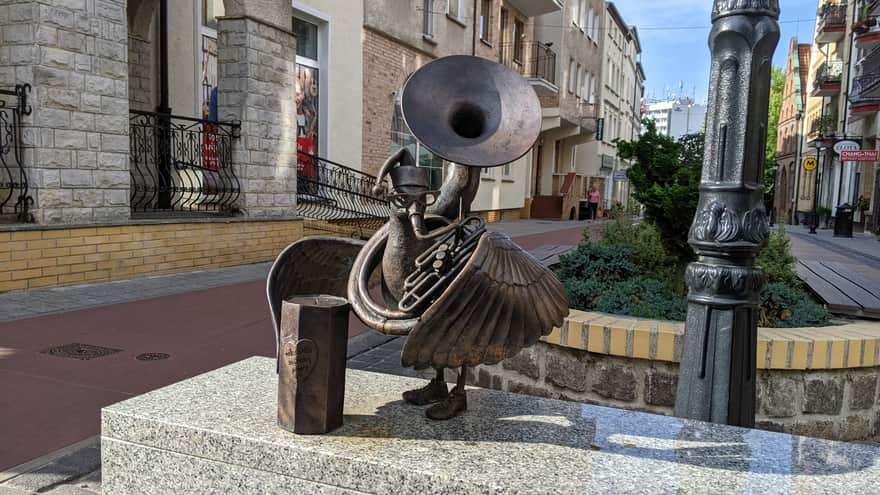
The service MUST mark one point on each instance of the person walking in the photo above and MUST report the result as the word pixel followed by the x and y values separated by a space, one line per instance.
pixel 593 202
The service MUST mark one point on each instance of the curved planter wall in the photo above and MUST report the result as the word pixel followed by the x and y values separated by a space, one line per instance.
pixel 818 382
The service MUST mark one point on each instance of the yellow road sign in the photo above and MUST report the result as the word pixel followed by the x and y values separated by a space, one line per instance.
pixel 811 164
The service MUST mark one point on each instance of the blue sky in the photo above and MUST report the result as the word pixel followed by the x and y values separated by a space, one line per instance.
pixel 671 54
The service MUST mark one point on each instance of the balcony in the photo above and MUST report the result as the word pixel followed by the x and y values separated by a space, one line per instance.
pixel 535 61
pixel 823 128
pixel 534 8
pixel 864 95
pixel 831 24
pixel 15 202
pixel 867 34
pixel 181 165
pixel 828 79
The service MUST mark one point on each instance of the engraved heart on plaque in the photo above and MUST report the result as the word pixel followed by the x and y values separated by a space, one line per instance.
pixel 301 357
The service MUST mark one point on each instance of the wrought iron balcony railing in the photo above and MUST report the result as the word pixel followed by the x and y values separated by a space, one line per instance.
pixel 829 72
pixel 865 88
pixel 532 59
pixel 14 197
pixel 182 164
pixel 327 190
pixel 832 14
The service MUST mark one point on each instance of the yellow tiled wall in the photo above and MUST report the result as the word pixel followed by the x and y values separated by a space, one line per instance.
pixel 55 257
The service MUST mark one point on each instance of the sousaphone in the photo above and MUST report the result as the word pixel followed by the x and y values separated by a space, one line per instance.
pixel 472 111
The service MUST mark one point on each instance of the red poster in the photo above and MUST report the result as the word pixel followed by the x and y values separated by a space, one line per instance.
pixel 305 164
pixel 210 160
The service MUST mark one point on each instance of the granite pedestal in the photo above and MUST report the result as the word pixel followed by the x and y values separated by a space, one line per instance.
pixel 218 433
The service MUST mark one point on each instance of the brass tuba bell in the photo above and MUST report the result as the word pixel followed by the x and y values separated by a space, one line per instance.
pixel 472 111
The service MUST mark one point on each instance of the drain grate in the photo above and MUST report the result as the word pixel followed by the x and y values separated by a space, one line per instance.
pixel 152 356
pixel 80 351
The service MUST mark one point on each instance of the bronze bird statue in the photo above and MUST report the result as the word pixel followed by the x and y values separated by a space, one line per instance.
pixel 463 296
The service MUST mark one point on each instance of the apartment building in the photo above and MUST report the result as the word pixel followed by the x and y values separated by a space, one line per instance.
pixel 401 36
pixel 599 71
pixel 677 117
pixel 791 200
pixel 619 108
pixel 862 178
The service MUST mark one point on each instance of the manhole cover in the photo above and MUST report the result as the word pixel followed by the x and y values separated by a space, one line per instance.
pixel 80 351
pixel 152 356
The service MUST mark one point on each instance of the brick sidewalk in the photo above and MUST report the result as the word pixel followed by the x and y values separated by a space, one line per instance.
pixel 201 330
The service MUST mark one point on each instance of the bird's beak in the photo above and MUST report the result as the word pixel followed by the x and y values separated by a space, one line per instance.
pixel 417 217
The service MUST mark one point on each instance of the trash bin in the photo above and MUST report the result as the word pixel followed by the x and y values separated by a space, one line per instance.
pixel 843 221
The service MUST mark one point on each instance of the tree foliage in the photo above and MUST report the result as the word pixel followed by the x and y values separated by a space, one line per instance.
pixel 777 89
pixel 666 181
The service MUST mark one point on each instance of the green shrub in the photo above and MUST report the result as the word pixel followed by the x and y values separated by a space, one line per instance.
pixel 787 307
pixel 650 253
pixel 605 277
pixel 600 262
pixel 777 262
pixel 642 297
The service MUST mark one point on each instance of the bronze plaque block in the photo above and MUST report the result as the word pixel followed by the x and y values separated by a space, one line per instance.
pixel 311 363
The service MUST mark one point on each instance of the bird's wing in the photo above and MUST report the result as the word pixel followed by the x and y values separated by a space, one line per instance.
pixel 314 265
pixel 502 301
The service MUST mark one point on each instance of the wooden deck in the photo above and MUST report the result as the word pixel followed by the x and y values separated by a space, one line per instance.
pixel 549 254
pixel 847 288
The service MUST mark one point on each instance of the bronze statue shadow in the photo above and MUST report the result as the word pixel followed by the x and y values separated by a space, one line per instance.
pixel 497 417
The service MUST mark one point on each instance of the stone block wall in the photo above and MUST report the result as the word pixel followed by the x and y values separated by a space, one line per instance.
pixel 140 74
pixel 74 54
pixel 839 404
pixel 257 76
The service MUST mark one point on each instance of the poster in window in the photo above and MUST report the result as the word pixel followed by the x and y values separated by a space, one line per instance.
pixel 210 132
pixel 307 125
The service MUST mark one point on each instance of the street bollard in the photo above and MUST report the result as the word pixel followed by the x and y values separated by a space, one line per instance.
pixel 311 363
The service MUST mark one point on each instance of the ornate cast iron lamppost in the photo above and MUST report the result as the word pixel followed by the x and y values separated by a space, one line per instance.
pixel 717 378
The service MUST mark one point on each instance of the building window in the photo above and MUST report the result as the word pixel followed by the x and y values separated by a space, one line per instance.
pixel 583 15
pixel 306 38
pixel 485 20
pixel 211 10
pixel 580 81
pixel 455 8
pixel 428 18
pixel 507 170
pixel 590 23
pixel 402 137
pixel 572 75
pixel 585 86
pixel 518 34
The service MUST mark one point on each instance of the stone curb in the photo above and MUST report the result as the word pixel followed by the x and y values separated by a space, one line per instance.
pixel 854 345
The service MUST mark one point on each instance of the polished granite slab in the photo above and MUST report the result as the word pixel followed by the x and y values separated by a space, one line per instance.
pixel 217 433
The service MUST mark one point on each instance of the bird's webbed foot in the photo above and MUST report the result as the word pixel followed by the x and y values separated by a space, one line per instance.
pixel 434 391
pixel 450 407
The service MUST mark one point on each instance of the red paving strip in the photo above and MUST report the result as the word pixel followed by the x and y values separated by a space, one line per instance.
pixel 49 402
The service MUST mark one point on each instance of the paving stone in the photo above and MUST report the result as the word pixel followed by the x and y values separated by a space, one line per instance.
pixel 779 399
pixel 823 396
pixel 660 388
pixel 615 382
pixel 863 388
pixel 817 429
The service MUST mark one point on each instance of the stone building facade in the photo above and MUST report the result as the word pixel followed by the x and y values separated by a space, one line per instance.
pixel 399 37
pixel 96 71
pixel 790 197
